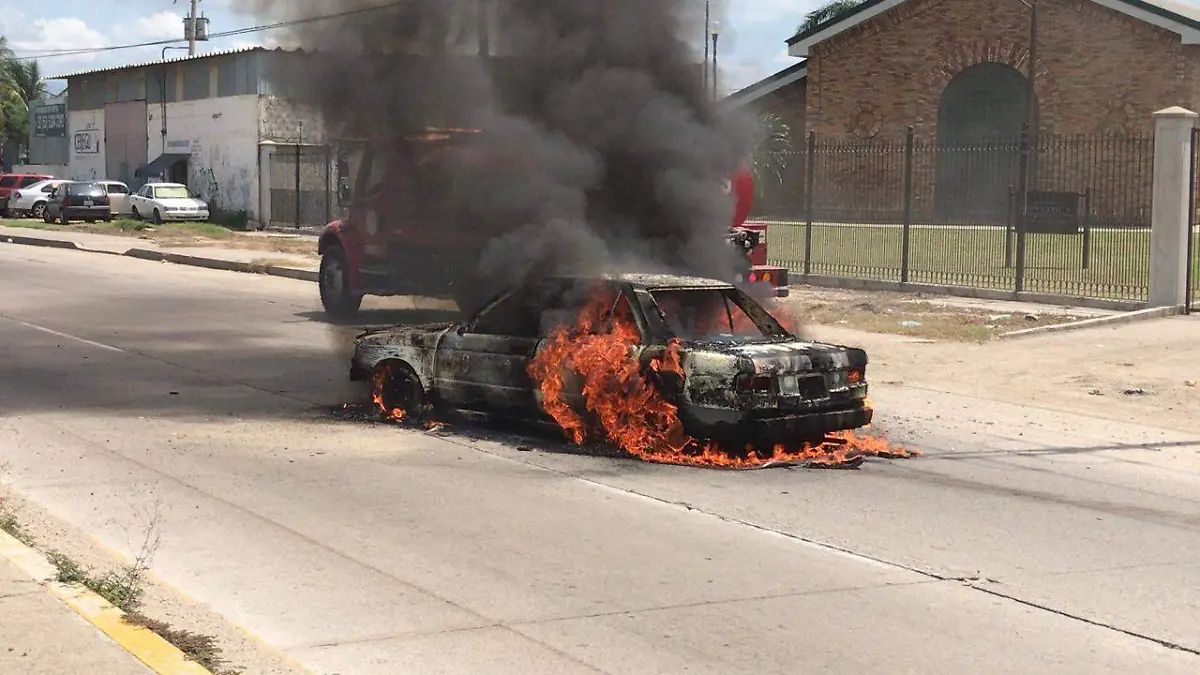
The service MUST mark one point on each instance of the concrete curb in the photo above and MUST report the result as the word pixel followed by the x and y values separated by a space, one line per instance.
pixel 34 241
pixel 1115 320
pixel 179 259
pixel 147 646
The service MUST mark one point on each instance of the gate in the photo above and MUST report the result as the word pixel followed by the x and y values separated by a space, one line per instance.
pixel 125 141
pixel 301 191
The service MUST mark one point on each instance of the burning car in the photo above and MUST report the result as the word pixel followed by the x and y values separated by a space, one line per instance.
pixel 669 368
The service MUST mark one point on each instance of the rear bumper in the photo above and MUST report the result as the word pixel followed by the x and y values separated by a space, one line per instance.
pixel 97 212
pixel 789 430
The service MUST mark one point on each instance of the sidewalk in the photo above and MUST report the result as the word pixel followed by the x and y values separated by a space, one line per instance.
pixel 213 257
pixel 40 635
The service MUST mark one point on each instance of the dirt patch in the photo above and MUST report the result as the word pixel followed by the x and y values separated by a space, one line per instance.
pixel 917 316
pixel 1144 373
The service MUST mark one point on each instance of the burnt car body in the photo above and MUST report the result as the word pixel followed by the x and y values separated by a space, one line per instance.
pixel 746 381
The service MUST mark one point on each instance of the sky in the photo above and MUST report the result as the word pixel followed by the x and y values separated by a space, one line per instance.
pixel 751 45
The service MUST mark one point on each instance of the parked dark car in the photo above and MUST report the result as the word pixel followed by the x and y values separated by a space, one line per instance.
pixel 744 377
pixel 86 201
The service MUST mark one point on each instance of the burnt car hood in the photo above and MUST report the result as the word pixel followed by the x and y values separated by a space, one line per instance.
pixel 786 356
pixel 415 335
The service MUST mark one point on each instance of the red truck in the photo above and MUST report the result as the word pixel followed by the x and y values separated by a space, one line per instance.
pixel 386 242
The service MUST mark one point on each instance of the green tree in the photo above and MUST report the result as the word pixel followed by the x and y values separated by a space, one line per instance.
pixel 24 78
pixel 771 151
pixel 829 12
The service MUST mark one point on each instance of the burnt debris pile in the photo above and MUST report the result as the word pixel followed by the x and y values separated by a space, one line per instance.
pixel 615 156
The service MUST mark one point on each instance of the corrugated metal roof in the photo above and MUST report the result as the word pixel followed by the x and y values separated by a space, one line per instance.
pixel 145 64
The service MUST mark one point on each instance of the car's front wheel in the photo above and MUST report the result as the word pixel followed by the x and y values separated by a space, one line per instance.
pixel 397 391
pixel 334 284
pixel 136 215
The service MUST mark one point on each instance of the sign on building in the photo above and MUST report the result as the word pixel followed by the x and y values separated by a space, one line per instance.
pixel 50 120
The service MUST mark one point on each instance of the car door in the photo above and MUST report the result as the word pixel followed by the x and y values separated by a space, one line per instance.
pixel 54 201
pixel 138 200
pixel 118 198
pixel 483 365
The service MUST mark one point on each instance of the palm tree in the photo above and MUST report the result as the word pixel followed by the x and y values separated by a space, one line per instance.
pixel 771 151
pixel 24 78
pixel 831 11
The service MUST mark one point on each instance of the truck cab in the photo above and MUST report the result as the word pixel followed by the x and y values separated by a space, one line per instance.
pixel 396 235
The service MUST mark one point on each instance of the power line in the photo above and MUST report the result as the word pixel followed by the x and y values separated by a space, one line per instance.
pixel 51 53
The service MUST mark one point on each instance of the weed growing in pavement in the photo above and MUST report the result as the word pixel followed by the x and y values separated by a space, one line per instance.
pixel 123 587
pixel 202 649
pixel 8 511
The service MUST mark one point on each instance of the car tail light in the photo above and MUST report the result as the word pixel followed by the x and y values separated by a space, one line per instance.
pixel 854 376
pixel 753 383
pixel 16 194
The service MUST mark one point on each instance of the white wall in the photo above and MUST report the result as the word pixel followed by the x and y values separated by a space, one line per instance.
pixel 86 131
pixel 222 136
pixel 56 170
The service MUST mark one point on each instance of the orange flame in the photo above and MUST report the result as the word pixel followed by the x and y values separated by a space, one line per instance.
pixel 631 412
pixel 378 381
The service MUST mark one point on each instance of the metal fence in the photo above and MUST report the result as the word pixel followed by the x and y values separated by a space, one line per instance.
pixel 306 171
pixel 950 213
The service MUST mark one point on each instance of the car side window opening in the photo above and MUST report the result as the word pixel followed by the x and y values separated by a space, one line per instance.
pixel 705 315
pixel 373 175
pixel 514 316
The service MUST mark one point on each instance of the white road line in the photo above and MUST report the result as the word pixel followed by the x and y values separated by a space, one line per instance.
pixel 68 336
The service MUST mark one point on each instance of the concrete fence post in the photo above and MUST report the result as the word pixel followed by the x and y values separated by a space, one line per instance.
pixel 1170 208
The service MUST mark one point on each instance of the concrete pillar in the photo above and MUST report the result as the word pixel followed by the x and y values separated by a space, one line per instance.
pixel 266 150
pixel 1169 212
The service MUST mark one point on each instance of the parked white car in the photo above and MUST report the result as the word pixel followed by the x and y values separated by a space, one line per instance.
pixel 166 201
pixel 31 199
pixel 118 196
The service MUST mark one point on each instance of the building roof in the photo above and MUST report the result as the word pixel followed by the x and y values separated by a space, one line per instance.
pixel 1172 15
pixel 769 84
pixel 144 64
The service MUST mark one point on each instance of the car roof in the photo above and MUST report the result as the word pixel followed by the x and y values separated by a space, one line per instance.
pixel 166 184
pixel 653 281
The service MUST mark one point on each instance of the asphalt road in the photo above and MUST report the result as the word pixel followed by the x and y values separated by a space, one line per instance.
pixel 1025 540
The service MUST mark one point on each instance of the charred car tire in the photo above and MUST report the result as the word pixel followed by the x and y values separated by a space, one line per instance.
pixel 401 389
pixel 334 284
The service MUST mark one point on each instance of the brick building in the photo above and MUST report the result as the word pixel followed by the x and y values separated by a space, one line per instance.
pixel 955 70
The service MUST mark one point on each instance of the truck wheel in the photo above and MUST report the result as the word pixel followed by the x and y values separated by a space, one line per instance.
pixel 334 284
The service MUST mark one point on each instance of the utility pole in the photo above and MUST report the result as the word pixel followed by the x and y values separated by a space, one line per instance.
pixel 707 23
pixel 192 36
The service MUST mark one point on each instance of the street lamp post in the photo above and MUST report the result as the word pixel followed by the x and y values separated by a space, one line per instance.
pixel 716 33
pixel 1028 134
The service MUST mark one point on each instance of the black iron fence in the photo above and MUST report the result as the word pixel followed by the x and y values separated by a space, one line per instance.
pixel 302 191
pixel 951 213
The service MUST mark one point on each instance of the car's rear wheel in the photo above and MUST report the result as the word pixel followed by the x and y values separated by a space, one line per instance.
pixel 398 392
pixel 39 210
pixel 333 282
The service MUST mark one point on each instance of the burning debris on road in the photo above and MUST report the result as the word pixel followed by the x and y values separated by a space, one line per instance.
pixel 667 369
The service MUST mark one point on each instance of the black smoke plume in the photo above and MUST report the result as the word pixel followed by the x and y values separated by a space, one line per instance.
pixel 618 155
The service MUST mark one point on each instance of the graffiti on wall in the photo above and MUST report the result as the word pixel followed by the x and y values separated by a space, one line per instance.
pixel 87 141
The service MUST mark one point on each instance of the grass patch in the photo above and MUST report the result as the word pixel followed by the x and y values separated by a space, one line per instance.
pixel 1118 260
pixel 10 524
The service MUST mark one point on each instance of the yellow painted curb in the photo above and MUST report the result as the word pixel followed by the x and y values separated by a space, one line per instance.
pixel 159 655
